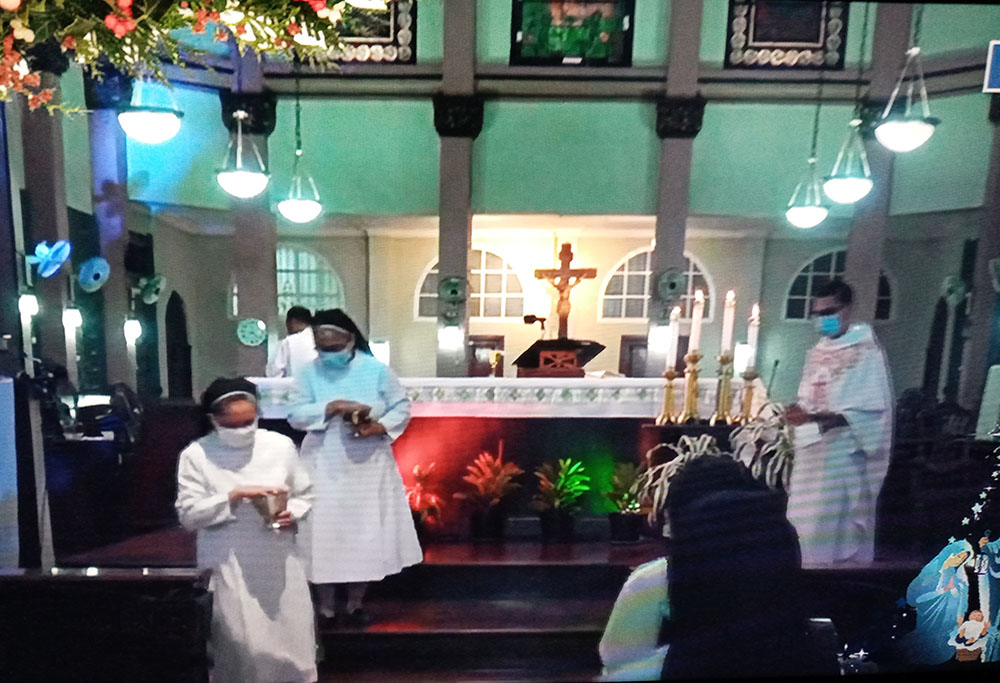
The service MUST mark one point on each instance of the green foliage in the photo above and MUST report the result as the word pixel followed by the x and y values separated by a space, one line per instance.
pixel 491 478
pixel 624 493
pixel 560 486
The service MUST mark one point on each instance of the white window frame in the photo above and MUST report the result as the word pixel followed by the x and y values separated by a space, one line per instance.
pixel 688 292
pixel 505 271
pixel 833 253
pixel 337 300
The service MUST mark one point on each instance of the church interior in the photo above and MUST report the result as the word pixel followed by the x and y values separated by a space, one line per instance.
pixel 640 198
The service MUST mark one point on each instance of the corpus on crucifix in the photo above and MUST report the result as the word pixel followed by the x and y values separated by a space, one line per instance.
pixel 564 279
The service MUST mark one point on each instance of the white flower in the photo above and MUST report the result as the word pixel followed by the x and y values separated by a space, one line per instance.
pixel 231 17
pixel 22 32
pixel 305 39
pixel 185 12
pixel 10 5
pixel 22 68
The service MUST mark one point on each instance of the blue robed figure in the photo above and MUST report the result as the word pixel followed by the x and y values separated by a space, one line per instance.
pixel 940 594
pixel 991 600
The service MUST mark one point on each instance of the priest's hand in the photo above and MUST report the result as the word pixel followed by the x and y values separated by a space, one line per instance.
pixel 828 421
pixel 366 429
pixel 796 416
pixel 247 492
pixel 284 519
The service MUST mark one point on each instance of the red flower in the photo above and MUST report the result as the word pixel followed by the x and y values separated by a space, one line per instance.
pixel 185 4
pixel 69 43
pixel 34 102
pixel 111 21
pixel 241 29
pixel 45 95
pixel 222 35
pixel 214 16
pixel 293 28
pixel 317 5
pixel 125 4
pixel 32 80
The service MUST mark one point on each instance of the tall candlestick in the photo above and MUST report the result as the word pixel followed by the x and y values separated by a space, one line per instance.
pixel 753 330
pixel 728 322
pixel 697 311
pixel 673 337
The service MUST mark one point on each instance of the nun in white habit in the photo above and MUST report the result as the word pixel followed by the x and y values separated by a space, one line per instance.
pixel 353 408
pixel 244 490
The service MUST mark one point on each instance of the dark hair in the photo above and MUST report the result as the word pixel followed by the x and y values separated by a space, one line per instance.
pixel 300 313
pixel 733 577
pixel 336 317
pixel 213 403
pixel 838 289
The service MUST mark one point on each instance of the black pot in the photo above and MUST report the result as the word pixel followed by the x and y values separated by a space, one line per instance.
pixel 418 524
pixel 625 527
pixel 488 524
pixel 557 525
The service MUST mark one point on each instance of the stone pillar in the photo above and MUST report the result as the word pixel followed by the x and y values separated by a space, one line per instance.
pixel 678 120
pixel 458 118
pixel 45 183
pixel 983 345
pixel 255 238
pixel 866 243
pixel 10 321
pixel 109 172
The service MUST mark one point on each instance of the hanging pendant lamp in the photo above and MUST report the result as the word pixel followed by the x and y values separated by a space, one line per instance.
pixel 148 123
pixel 901 128
pixel 851 178
pixel 805 208
pixel 236 179
pixel 299 207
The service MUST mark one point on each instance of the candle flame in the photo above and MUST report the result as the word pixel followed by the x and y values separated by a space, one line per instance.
pixel 675 314
pixel 730 296
pixel 755 312
pixel 699 296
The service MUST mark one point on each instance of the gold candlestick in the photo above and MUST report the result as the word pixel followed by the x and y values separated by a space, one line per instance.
pixel 690 413
pixel 668 416
pixel 745 409
pixel 724 396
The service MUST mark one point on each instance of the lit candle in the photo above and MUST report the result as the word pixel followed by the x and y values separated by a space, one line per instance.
pixel 728 322
pixel 673 337
pixel 753 330
pixel 698 310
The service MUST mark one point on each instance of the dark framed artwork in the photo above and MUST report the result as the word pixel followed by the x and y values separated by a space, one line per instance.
pixel 786 34
pixel 587 33
pixel 388 36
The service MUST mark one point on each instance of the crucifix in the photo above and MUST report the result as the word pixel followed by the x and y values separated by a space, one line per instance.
pixel 564 279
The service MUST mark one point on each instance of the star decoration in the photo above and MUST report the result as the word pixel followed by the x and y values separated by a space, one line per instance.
pixel 995 475
pixel 952 539
pixel 977 508
pixel 982 496
pixel 860 654
pixel 965 521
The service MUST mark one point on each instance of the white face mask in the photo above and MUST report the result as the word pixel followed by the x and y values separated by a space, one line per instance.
pixel 239 437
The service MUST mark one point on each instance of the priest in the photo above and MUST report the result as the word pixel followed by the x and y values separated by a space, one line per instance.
pixel 843 434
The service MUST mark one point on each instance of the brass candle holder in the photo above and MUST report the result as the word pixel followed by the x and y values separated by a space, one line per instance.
pixel 668 416
pixel 745 409
pixel 690 413
pixel 724 396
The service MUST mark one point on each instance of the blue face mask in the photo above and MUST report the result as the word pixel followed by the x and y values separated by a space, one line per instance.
pixel 827 325
pixel 336 359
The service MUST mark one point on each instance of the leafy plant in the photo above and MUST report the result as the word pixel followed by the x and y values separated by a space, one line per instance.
pixel 624 493
pixel 765 446
pixel 560 486
pixel 423 501
pixel 654 482
pixel 491 478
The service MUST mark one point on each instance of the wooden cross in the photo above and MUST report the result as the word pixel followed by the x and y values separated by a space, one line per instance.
pixel 564 279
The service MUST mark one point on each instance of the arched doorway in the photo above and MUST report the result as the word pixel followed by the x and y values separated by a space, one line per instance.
pixel 178 349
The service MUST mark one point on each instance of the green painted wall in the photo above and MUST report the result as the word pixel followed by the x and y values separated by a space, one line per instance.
pixel 566 157
pixel 951 27
pixel 949 171
pixel 76 143
pixel 430 31
pixel 649 44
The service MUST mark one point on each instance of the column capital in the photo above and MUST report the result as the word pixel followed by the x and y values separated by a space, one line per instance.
pixel 48 57
pixel 112 91
pixel 458 116
pixel 679 117
pixel 260 108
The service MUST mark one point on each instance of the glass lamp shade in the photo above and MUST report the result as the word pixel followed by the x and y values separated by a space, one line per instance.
pixel 132 330
pixel 72 319
pixel 806 217
pixel 905 134
pixel 847 189
pixel 299 210
pixel 805 208
pixel 150 125
pixel 241 183
pixel 851 178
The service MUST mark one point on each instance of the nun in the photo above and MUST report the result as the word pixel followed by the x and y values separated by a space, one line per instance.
pixel 352 408
pixel 244 491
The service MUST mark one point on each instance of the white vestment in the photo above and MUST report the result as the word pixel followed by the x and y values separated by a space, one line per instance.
pixel 630 648
pixel 837 475
pixel 361 527
pixel 294 353
pixel 262 618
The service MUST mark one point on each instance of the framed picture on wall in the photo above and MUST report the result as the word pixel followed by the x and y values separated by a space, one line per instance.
pixel 587 33
pixel 374 35
pixel 786 34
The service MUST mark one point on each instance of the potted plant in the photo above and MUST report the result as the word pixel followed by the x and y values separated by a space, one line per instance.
pixel 560 486
pixel 626 522
pixel 765 446
pixel 492 480
pixel 425 504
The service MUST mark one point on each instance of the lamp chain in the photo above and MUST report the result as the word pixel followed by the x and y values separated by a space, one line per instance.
pixel 819 106
pixel 918 24
pixel 861 62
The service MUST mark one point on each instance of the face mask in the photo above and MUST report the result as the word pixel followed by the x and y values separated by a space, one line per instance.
pixel 337 359
pixel 239 437
pixel 828 325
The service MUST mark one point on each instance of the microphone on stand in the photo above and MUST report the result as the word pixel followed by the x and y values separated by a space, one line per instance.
pixel 774 370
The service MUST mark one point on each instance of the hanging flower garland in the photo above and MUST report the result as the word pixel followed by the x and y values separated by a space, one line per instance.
pixel 137 36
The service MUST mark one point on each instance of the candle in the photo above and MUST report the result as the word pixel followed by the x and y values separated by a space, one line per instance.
pixel 728 322
pixel 698 310
pixel 673 336
pixel 753 330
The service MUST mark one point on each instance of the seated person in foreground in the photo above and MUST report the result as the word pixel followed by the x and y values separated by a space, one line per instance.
pixel 728 601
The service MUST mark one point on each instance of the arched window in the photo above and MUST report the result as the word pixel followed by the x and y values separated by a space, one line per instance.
pixel 818 272
pixel 306 279
pixel 626 292
pixel 494 289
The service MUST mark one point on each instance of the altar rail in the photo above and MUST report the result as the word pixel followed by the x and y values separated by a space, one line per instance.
pixel 606 397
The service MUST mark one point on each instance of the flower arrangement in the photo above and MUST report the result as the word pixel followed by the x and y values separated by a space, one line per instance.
pixel 624 493
pixel 424 502
pixel 492 479
pixel 560 486
pixel 136 36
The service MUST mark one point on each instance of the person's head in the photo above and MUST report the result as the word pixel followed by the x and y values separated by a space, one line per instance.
pixel 297 319
pixel 956 560
pixel 231 408
pixel 337 337
pixel 975 615
pixel 831 308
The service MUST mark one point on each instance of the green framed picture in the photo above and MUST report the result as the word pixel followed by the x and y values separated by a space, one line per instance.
pixel 588 33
